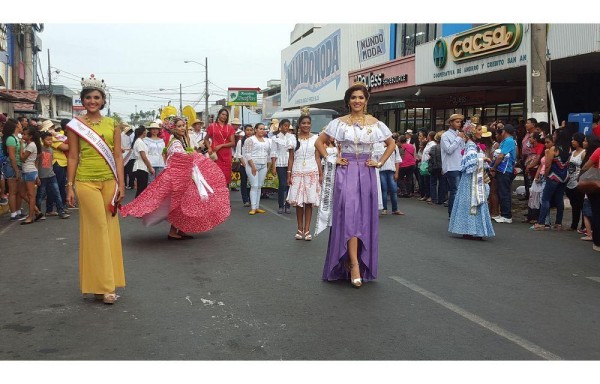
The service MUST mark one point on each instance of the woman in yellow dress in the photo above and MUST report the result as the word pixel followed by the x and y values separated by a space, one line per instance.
pixel 95 171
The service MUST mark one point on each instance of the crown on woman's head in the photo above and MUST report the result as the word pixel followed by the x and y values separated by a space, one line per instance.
pixel 359 82
pixel 475 119
pixel 93 83
pixel 305 111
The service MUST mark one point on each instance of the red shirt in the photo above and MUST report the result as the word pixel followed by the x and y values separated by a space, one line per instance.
pixel 220 135
pixel 595 156
pixel 596 130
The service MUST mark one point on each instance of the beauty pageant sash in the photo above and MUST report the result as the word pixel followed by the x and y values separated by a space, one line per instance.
pixel 92 138
pixel 324 215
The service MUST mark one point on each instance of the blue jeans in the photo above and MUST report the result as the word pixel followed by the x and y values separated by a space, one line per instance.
pixel 388 185
pixel 49 187
pixel 553 194
pixel 438 187
pixel 61 179
pixel 282 192
pixel 453 178
pixel 157 171
pixel 504 183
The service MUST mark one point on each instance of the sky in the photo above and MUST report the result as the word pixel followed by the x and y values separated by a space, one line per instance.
pixel 138 60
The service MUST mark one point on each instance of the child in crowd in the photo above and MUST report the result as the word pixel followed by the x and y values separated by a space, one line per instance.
pixel 48 181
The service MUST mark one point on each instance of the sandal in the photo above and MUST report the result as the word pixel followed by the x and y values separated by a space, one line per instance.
pixel 307 236
pixel 586 238
pixel 356 283
pixel 400 213
pixel 537 227
pixel 298 235
pixel 109 298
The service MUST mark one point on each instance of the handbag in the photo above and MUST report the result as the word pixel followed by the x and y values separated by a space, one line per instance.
pixel 235 166
pixel 589 182
pixel 424 168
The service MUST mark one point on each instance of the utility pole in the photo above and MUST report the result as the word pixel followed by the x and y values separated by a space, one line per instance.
pixel 180 101
pixel 206 93
pixel 50 110
pixel 537 77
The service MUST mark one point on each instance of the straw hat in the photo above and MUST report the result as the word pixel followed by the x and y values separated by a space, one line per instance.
pixel 46 125
pixel 153 125
pixel 455 116
pixel 485 132
pixel 236 121
pixel 125 128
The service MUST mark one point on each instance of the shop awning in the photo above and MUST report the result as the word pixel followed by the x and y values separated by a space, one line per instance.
pixel 25 100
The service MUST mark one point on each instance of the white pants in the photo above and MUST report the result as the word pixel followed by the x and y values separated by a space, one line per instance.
pixel 256 183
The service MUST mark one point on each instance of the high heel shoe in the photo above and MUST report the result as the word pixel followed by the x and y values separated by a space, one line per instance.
pixel 109 298
pixel 357 282
pixel 307 236
pixel 298 235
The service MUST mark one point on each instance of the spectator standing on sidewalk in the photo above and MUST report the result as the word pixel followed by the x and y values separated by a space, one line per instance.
pixel 11 144
pixel 453 142
pixel 575 195
pixel 503 170
pixel 525 150
pixel 48 182
pixel 60 151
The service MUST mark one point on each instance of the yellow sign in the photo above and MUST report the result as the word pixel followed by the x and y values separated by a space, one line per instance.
pixel 486 40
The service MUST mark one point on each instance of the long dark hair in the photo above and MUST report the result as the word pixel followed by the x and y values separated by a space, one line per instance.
pixel 593 144
pixel 245 137
pixel 563 144
pixel 181 138
pixel 137 133
pixel 7 131
pixel 298 129
pixel 35 138
pixel 219 113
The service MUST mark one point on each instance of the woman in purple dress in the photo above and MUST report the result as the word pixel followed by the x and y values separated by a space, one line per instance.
pixel 352 252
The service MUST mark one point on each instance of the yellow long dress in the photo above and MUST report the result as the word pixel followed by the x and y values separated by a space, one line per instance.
pixel 100 251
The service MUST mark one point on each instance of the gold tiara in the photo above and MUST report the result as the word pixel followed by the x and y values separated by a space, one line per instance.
pixel 305 111
pixel 361 83
pixel 93 83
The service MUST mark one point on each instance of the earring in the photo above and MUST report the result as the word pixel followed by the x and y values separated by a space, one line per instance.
pixel 365 109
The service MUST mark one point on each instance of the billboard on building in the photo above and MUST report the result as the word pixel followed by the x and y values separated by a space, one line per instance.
pixel 315 69
pixel 488 48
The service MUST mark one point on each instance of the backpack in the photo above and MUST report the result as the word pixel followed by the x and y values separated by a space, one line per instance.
pixel 435 158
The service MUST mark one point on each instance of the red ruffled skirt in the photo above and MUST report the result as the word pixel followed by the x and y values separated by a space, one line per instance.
pixel 174 196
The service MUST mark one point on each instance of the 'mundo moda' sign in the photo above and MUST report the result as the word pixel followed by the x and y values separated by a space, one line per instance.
pixel 486 40
pixel 313 68
pixel 370 47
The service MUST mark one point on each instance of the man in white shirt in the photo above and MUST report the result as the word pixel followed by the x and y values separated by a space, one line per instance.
pixel 282 142
pixel 453 142
pixel 128 158
pixel 197 136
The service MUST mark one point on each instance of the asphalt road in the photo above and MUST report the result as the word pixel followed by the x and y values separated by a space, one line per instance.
pixel 248 291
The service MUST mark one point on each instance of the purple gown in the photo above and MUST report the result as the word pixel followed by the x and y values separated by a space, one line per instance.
pixel 355 211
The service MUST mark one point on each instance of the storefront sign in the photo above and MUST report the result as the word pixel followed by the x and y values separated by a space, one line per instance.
pixel 371 47
pixel 314 67
pixel 375 80
pixel 242 96
pixel 484 41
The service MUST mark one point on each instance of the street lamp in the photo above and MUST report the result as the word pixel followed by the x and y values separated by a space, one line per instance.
pixel 205 65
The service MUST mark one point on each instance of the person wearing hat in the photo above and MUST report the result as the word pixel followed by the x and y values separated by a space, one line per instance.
pixel 470 215
pixel 273 127
pixel 197 136
pixel 503 170
pixel 46 126
pixel 452 144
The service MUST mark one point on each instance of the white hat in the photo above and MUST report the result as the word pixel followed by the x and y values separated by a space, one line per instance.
pixel 126 128
pixel 153 125
pixel 46 125
pixel 236 121
pixel 409 131
pixel 240 132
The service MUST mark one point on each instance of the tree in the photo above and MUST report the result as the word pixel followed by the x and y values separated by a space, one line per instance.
pixel 118 119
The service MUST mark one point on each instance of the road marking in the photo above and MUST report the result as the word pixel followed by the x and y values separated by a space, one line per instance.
pixel 531 347
pixel 275 213
pixel 594 278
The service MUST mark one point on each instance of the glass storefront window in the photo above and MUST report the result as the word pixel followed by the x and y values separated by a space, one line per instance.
pixel 517 111
pixel 409 39
pixel 392 120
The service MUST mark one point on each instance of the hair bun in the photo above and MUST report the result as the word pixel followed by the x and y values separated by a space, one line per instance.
pixel 305 111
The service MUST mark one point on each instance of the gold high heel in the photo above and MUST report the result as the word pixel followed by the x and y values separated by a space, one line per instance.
pixel 356 283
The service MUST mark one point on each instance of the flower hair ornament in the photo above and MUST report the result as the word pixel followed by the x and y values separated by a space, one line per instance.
pixel 93 83
pixel 305 111
pixel 469 128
